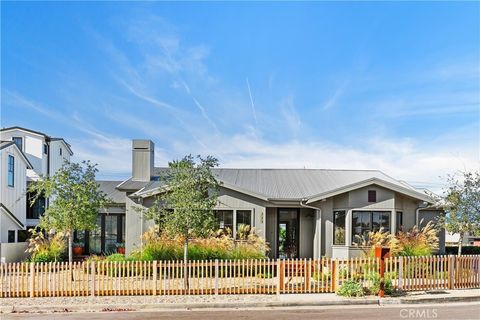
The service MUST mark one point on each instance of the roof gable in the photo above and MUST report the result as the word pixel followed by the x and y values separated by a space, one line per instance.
pixel 11 144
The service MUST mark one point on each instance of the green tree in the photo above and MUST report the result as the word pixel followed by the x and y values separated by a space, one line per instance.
pixel 74 199
pixel 462 205
pixel 185 207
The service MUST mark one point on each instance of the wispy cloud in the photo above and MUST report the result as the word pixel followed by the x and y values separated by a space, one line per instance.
pixel 291 116
pixel 332 101
pixel 251 103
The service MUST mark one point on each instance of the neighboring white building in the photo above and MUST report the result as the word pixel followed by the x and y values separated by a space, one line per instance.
pixel 13 200
pixel 26 156
pixel 13 182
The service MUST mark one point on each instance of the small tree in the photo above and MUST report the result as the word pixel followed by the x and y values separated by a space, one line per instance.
pixel 75 199
pixel 185 207
pixel 462 205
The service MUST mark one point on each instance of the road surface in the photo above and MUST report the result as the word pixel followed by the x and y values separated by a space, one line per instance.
pixel 439 311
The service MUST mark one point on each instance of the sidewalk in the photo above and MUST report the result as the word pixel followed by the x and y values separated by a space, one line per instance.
pixel 133 303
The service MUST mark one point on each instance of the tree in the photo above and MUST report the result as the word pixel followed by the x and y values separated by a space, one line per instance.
pixel 75 199
pixel 462 205
pixel 185 206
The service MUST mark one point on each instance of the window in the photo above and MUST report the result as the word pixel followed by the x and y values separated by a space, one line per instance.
pixel 339 227
pixel 380 220
pixel 372 196
pixel 23 235
pixel 19 142
pixel 60 151
pixel 36 210
pixel 361 224
pixel 11 171
pixel 366 221
pixel 45 148
pixel 399 223
pixel 225 219
pixel 11 236
pixel 244 217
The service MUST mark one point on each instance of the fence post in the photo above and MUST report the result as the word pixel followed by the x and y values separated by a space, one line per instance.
pixel 279 276
pixel 92 275
pixel 32 279
pixel 334 275
pixel 400 273
pixel 216 277
pixel 451 272
pixel 155 277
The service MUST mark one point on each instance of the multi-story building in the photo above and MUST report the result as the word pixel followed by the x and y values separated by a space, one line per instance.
pixel 26 156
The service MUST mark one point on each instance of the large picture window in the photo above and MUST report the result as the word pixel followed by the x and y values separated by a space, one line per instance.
pixel 339 228
pixel 366 221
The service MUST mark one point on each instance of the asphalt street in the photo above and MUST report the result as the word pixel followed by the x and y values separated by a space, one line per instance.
pixel 438 311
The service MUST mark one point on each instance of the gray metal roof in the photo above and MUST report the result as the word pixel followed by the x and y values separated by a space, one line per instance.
pixel 286 184
pixel 109 188
pixel 295 183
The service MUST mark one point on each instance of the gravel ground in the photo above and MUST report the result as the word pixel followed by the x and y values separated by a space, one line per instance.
pixel 134 300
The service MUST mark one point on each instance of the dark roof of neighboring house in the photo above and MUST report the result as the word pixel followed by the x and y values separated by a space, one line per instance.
pixel 109 188
pixel 40 133
pixel 5 144
pixel 288 184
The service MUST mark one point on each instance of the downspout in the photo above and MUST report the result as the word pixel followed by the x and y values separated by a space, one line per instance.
pixel 417 211
pixel 318 226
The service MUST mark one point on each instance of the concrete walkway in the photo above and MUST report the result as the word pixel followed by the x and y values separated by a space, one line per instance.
pixel 131 303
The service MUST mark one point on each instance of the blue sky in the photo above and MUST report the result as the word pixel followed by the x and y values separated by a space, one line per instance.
pixel 389 86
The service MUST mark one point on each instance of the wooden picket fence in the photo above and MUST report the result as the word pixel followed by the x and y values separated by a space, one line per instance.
pixel 103 278
pixel 434 272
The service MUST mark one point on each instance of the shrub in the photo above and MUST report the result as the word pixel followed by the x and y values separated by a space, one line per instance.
pixel 374 287
pixel 374 239
pixel 350 289
pixel 320 276
pixel 48 248
pixel 116 257
pixel 465 250
pixel 418 241
pixel 220 246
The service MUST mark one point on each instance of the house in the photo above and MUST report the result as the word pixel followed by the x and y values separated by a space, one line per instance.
pixel 27 156
pixel 302 213
pixel 46 155
pixel 111 224
pixel 13 185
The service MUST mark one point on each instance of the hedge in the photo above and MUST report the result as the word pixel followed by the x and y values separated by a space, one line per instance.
pixel 465 250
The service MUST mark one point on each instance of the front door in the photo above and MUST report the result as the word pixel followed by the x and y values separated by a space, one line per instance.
pixel 288 233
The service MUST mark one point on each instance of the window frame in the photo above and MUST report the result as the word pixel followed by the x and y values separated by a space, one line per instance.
pixel 237 224
pixel 11 236
pixel 45 148
pixel 60 152
pixel 11 171
pixel 223 211
pixel 370 226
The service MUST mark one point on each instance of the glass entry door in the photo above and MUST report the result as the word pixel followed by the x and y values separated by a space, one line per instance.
pixel 288 233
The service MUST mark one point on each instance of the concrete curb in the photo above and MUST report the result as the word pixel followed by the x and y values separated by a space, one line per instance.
pixel 230 305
